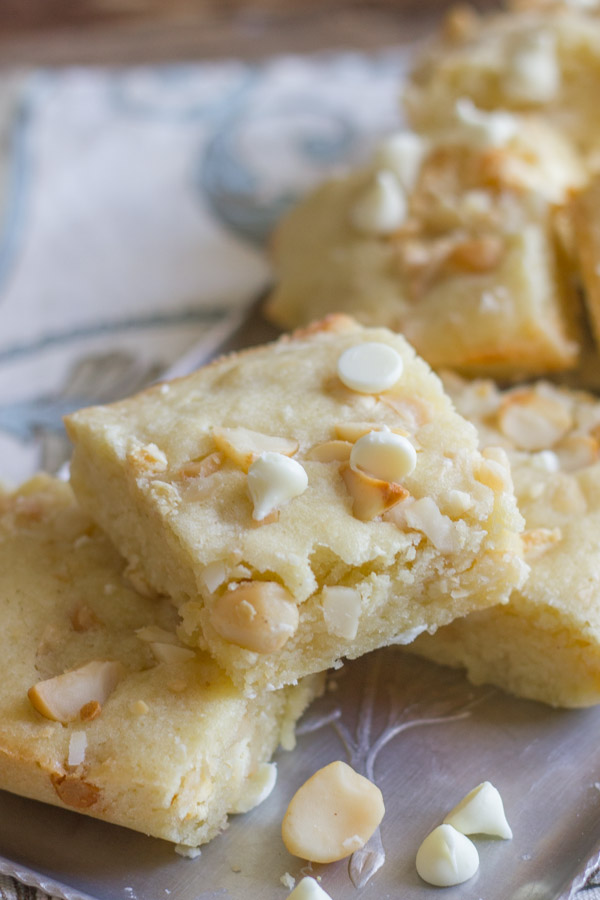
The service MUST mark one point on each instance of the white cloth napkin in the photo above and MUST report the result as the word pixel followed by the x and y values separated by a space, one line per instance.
pixel 134 208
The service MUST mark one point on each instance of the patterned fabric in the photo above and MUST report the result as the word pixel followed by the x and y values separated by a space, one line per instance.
pixel 134 207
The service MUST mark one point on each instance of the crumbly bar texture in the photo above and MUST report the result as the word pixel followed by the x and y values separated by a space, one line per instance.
pixel 541 59
pixel 545 643
pixel 475 274
pixel 175 747
pixel 165 474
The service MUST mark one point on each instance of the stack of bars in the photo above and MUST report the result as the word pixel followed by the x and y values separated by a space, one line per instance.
pixel 229 536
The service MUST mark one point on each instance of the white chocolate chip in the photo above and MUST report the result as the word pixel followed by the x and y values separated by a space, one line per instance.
pixel 402 154
pixel 533 74
pixel 257 787
pixel 446 857
pixel 485 129
pixel 333 814
pixel 309 889
pixel 370 367
pixel 274 480
pixel 382 206
pixel 481 812
pixel 341 610
pixel 77 748
pixel 384 455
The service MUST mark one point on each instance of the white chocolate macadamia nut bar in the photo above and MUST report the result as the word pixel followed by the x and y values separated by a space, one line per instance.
pixel 303 501
pixel 545 643
pixel 102 710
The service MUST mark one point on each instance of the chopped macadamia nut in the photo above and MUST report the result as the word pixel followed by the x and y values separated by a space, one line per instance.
pixel 485 129
pixel 309 889
pixel 213 575
pixel 152 633
pixel 446 857
pixel 330 451
pixel 258 787
pixel 341 610
pixel 382 206
pixel 77 748
pixel 243 446
pixel 533 74
pixel 274 480
pixel 90 711
pixel 384 455
pixel 533 421
pixel 171 654
pixel 62 697
pixel 371 496
pixel 370 367
pixel 481 812
pixel 333 814
pixel 257 615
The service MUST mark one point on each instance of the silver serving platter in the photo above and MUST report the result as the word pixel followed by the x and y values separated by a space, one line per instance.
pixel 420 731
pixel 426 737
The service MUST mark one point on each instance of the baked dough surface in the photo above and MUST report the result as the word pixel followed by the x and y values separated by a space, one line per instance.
pixel 477 276
pixel 175 747
pixel 148 469
pixel 545 643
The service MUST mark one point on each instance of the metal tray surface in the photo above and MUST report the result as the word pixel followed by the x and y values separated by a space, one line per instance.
pixel 426 737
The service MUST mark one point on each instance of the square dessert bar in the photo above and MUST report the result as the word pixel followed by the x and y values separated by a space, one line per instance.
pixel 101 709
pixel 458 240
pixel 303 501
pixel 545 643
pixel 540 59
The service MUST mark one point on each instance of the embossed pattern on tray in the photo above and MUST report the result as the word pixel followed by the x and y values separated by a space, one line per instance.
pixel 426 736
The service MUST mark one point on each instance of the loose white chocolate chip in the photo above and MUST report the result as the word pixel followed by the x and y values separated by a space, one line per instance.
pixel 274 480
pixel 370 367
pixel 481 812
pixel 213 575
pixel 384 455
pixel 382 206
pixel 485 129
pixel 256 615
pixel 333 814
pixel 402 154
pixel 257 788
pixel 446 857
pixel 61 698
pixel 309 889
pixel 341 610
pixel 243 446
pixel 77 748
